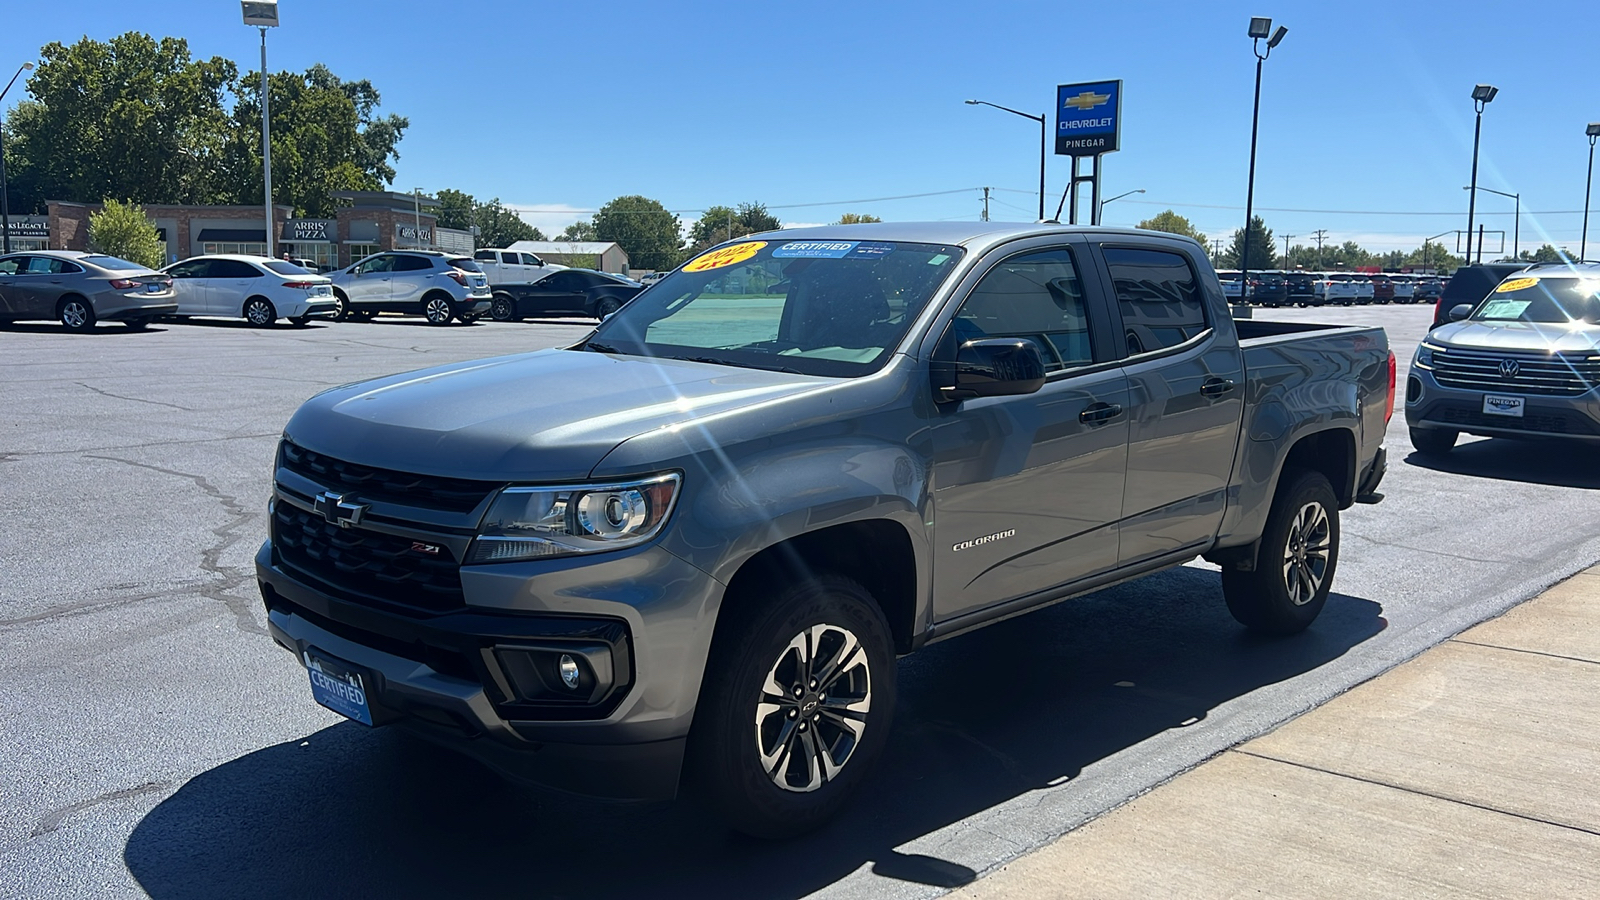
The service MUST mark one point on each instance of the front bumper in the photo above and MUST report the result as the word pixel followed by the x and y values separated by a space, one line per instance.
pixel 1430 404
pixel 449 677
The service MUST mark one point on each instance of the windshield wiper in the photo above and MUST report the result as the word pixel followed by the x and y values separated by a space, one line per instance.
pixel 599 348
pixel 741 365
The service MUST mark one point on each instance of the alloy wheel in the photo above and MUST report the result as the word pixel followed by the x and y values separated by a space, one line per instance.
pixel 259 313
pixel 1305 555
pixel 813 708
pixel 437 310
pixel 74 314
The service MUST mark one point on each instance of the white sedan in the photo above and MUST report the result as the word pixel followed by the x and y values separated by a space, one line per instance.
pixel 253 288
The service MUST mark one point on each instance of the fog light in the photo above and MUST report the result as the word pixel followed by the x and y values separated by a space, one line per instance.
pixel 569 671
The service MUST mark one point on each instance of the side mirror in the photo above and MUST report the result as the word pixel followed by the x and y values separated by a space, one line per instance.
pixel 1460 311
pixel 996 367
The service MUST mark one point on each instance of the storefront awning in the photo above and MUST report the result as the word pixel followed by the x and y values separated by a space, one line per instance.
pixel 233 236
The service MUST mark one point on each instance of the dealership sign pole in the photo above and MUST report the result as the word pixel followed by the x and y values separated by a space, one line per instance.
pixel 1088 123
pixel 264 14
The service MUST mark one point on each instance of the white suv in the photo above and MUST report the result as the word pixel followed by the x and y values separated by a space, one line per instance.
pixel 437 286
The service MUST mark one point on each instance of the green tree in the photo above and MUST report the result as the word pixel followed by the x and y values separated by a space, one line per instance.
pixel 755 217
pixel 1546 254
pixel 131 117
pixel 1172 223
pixel 582 230
pixel 121 229
pixel 326 137
pixel 500 226
pixel 455 209
pixel 856 219
pixel 1263 253
pixel 647 232
pixel 724 223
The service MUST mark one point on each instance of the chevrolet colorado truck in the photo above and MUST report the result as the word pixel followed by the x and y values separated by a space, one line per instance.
pixel 697 541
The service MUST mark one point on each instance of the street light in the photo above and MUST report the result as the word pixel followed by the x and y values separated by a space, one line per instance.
pixel 264 14
pixel 1260 27
pixel 1117 197
pixel 1593 131
pixel 1042 138
pixel 1481 95
pixel 5 201
pixel 1516 227
pixel 1427 241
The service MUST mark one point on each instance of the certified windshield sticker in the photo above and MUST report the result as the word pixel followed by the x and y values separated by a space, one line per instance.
pixel 1505 309
pixel 815 250
pixel 1516 284
pixel 725 256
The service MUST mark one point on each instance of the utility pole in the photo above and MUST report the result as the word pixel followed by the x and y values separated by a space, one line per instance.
pixel 986 204
pixel 1216 251
pixel 1286 239
pixel 1319 234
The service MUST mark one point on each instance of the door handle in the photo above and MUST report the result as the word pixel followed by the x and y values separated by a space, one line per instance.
pixel 1099 413
pixel 1216 387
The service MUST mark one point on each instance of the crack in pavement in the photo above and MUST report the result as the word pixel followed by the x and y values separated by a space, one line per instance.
pixel 88 606
pixel 243 609
pixel 17 455
pixel 1475 559
pixel 52 821
pixel 134 399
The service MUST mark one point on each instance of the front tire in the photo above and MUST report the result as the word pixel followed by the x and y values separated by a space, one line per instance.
pixel 1294 567
pixel 77 315
pixel 259 312
pixel 1434 441
pixel 343 311
pixel 799 707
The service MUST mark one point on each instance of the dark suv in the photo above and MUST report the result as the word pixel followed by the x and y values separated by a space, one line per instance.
pixel 1469 285
pixel 1302 289
pixel 1382 288
pixel 1269 289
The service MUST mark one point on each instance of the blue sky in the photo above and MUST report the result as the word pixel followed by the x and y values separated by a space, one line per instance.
pixel 557 108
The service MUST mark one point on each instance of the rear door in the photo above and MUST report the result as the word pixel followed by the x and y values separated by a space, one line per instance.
pixel 412 278
pixel 1185 399
pixel 229 283
pixel 1028 489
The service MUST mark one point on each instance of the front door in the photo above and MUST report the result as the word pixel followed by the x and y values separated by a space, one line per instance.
pixel 10 296
pixel 369 284
pixel 1186 399
pixel 1028 489
pixel 189 287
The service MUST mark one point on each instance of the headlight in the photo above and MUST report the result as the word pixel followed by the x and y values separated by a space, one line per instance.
pixel 1424 356
pixel 542 522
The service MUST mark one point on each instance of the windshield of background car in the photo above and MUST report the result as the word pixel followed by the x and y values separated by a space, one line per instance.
pixel 109 262
pixel 1552 300
pixel 816 307
pixel 462 263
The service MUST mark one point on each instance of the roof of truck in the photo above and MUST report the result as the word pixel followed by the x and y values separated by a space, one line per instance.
pixel 962 233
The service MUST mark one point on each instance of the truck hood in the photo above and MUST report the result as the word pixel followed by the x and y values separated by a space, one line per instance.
pixel 1527 336
pixel 545 416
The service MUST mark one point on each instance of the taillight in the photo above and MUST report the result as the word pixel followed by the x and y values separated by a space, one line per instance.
pixel 303 285
pixel 460 278
pixel 123 284
pixel 1388 409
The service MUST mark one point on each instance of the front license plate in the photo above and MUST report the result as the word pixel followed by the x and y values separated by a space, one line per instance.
pixel 339 686
pixel 1497 405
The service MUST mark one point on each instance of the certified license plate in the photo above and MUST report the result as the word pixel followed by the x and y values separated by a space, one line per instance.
pixel 339 686
pixel 1497 405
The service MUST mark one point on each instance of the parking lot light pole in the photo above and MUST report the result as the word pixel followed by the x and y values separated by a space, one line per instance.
pixel 264 14
pixel 1043 137
pixel 5 200
pixel 1117 197
pixel 1593 131
pixel 1516 227
pixel 1482 94
pixel 1428 241
pixel 1260 28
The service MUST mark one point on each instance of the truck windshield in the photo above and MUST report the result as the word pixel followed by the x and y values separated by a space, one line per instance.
pixel 814 307
pixel 1552 300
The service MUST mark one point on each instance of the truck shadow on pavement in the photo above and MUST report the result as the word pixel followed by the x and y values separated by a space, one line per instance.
pixel 983 718
pixel 1549 462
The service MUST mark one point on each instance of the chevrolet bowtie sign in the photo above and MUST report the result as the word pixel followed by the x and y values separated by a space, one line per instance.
pixel 1088 118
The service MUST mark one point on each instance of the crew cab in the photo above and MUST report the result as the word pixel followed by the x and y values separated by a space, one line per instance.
pixel 502 266
pixel 700 537
pixel 1522 362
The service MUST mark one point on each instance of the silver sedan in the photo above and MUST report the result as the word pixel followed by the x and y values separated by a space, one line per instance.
pixel 79 289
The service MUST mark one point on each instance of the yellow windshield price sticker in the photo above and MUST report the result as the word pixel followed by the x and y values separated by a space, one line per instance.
pixel 726 256
pixel 1516 284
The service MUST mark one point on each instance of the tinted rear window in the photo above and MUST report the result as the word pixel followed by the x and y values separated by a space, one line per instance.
pixel 286 268
pixel 110 262
pixel 466 265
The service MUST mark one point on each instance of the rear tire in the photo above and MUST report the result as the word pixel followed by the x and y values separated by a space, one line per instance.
pixel 607 306
pixel 504 309
pixel 1434 441
pixel 139 324
pixel 799 707
pixel 77 315
pixel 259 312
pixel 299 321
pixel 437 311
pixel 1296 560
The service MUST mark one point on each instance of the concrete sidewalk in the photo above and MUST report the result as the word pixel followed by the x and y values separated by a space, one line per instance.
pixel 1470 771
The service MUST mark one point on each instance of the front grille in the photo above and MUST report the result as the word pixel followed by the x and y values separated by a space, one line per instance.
pixel 371 483
pixel 1542 421
pixel 1544 374
pixel 367 564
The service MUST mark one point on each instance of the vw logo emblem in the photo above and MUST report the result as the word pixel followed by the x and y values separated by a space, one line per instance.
pixel 1509 368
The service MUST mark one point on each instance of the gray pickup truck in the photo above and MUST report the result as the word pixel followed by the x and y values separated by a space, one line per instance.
pixel 697 541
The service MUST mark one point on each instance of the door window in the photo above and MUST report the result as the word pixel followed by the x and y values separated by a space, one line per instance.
pixel 528 259
pixel 233 268
pixel 376 264
pixel 1159 296
pixel 508 258
pixel 412 264
pixel 12 265
pixel 44 265
pixel 563 281
pixel 1037 296
pixel 193 268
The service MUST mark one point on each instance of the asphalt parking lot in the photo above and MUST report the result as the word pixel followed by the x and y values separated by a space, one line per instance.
pixel 157 742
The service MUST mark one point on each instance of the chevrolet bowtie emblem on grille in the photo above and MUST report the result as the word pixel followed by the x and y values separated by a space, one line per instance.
pixel 1509 368
pixel 338 511
pixel 1086 101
